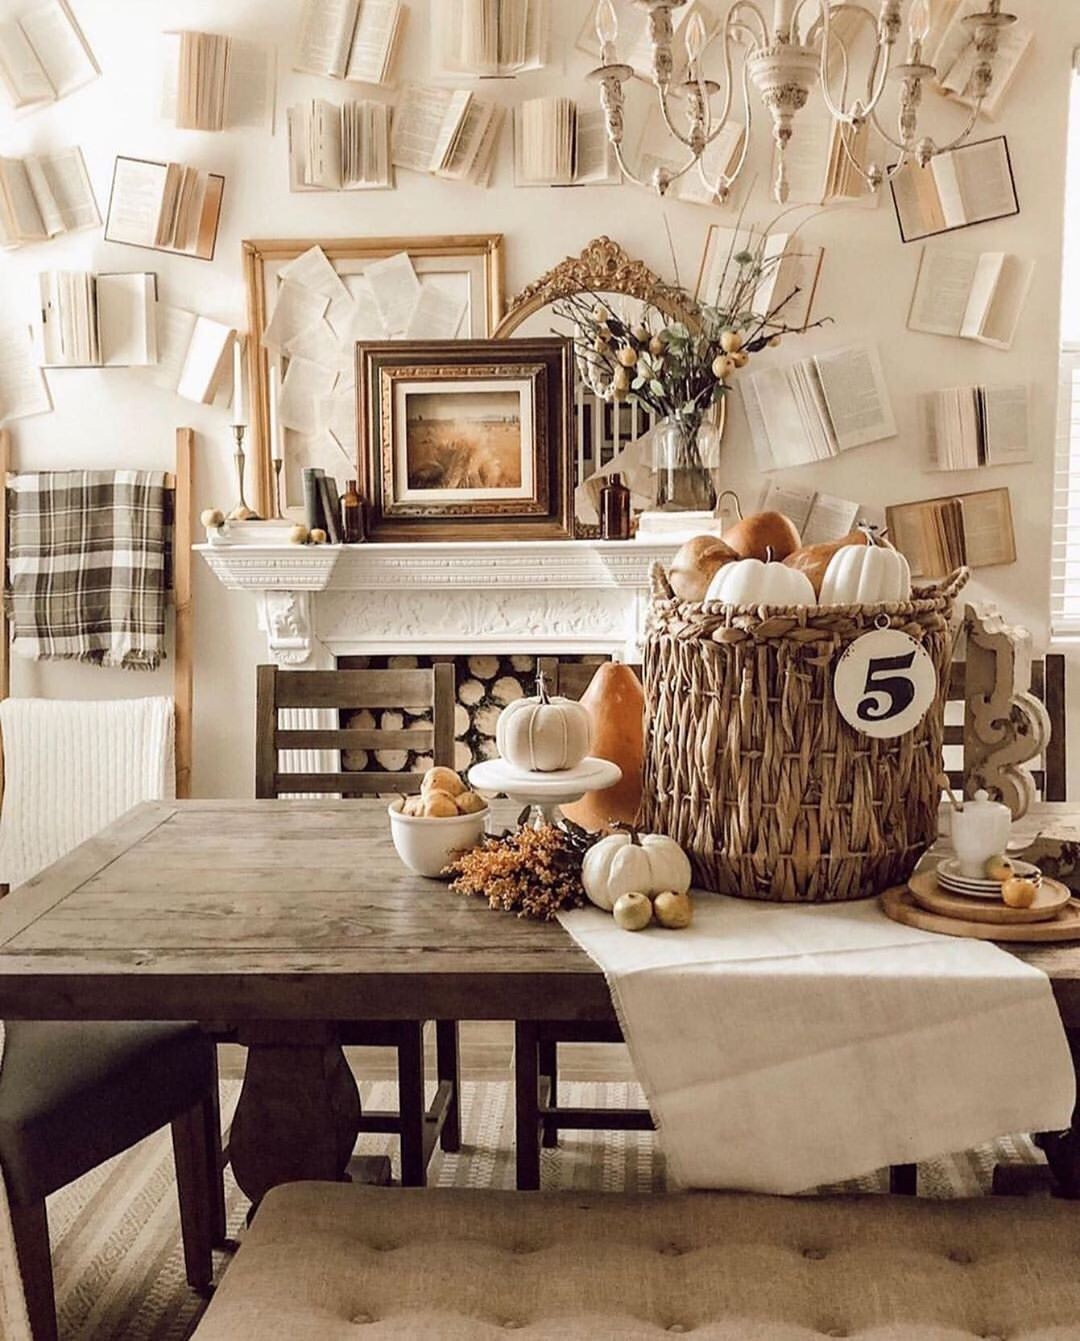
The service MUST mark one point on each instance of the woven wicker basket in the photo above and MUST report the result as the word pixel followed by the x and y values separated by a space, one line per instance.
pixel 750 766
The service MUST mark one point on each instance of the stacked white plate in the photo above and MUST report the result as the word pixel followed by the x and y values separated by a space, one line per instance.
pixel 950 877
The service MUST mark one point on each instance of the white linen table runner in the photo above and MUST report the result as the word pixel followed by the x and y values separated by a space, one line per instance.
pixel 782 1047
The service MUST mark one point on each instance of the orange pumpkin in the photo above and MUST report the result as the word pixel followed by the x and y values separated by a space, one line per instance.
pixel 754 536
pixel 615 701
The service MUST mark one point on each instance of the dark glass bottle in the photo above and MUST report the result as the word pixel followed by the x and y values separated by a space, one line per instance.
pixel 615 509
pixel 352 515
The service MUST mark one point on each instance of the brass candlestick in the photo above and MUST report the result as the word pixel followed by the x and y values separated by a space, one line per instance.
pixel 278 514
pixel 248 513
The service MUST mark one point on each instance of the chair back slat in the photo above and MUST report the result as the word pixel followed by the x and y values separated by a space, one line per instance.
pixel 349 784
pixel 355 689
pixel 344 692
pixel 354 738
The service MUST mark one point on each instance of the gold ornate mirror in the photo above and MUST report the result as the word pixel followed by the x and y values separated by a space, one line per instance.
pixel 602 428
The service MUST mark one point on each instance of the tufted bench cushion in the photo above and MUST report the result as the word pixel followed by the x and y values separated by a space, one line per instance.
pixel 326 1262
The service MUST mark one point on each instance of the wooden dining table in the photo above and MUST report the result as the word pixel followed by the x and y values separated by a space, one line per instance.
pixel 279 920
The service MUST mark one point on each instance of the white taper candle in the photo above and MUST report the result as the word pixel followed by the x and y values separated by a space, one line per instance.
pixel 277 445
pixel 239 401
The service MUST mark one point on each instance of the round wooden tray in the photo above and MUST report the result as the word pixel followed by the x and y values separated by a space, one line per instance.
pixel 929 894
pixel 899 904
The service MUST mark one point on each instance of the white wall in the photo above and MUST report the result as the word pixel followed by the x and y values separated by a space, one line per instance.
pixel 109 418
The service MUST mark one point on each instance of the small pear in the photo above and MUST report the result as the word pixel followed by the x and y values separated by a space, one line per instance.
pixel 731 341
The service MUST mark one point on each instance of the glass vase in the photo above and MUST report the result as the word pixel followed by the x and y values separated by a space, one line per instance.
pixel 681 460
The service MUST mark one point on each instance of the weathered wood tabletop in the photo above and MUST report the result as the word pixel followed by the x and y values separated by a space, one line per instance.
pixel 283 918
pixel 301 910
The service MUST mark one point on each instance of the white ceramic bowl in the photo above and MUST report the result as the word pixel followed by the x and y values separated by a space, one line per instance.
pixel 425 844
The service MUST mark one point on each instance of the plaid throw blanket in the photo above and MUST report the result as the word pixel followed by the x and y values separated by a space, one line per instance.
pixel 86 566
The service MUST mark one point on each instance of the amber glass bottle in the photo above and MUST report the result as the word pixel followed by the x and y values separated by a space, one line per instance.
pixel 615 510
pixel 352 515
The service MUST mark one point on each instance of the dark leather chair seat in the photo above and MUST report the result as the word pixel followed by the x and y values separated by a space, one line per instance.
pixel 73 1094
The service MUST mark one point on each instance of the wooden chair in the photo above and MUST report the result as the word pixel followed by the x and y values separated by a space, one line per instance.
pixel 72 1094
pixel 343 692
pixel 75 1094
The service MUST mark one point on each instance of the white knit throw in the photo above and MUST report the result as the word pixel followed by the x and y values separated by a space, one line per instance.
pixel 72 767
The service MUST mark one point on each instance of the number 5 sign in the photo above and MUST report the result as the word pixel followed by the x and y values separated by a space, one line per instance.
pixel 884 684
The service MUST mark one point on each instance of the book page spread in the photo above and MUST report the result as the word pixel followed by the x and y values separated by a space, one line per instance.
pixel 853 382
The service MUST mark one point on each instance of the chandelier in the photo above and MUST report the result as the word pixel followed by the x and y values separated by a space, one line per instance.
pixel 810 44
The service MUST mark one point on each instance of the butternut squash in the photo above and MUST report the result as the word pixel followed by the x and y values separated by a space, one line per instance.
pixel 615 701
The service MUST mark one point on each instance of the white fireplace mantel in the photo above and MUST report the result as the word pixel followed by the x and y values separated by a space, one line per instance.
pixel 318 603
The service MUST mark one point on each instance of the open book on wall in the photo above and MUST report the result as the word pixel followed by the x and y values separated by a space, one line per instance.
pixel 658 152
pixel 972 426
pixel 165 206
pixel 214 82
pixel 964 186
pixel 818 517
pixel 446 132
pixel 975 296
pixel 44 195
pixel 818 407
pixel 559 143
pixel 98 321
pixel 789 278
pixel 193 354
pixel 339 148
pixel 492 38
pixel 939 535
pixel 23 391
pixel 350 39
pixel 43 54
pixel 953 55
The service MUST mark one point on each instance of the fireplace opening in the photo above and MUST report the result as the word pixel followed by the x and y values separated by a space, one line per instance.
pixel 484 685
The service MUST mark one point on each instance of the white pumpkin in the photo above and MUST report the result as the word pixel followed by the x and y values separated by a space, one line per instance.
pixel 752 582
pixel 866 575
pixel 628 862
pixel 542 734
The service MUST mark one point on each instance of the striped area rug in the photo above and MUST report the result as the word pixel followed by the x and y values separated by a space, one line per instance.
pixel 116 1244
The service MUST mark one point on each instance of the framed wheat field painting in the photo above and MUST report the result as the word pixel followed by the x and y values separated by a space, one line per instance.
pixel 453 284
pixel 465 440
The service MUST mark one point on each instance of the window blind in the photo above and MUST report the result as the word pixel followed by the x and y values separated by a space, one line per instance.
pixel 1065 534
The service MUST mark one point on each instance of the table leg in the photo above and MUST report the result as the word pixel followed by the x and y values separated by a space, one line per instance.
pixel 527 1105
pixel 298 1115
pixel 1062 1149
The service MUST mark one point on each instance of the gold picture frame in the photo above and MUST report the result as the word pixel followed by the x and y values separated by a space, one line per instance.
pixel 479 255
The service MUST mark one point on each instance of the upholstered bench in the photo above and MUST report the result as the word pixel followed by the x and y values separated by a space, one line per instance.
pixel 330 1262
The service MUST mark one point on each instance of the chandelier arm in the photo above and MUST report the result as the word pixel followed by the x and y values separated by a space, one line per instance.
pixel 876 79
pixel 889 139
pixel 888 173
pixel 968 128
pixel 717 122
pixel 684 140
pixel 763 35
pixel 620 158
pixel 725 180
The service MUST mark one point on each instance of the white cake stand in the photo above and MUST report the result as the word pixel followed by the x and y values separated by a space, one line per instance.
pixel 544 791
